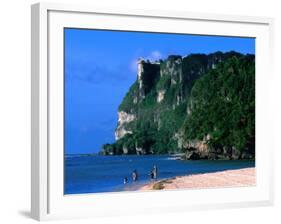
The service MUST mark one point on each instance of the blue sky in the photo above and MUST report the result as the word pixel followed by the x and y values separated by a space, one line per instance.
pixel 100 66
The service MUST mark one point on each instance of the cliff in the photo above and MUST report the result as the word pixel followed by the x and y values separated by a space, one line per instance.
pixel 199 104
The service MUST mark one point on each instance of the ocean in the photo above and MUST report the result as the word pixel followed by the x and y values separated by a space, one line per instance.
pixel 96 174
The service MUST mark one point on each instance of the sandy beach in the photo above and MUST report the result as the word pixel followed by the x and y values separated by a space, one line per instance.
pixel 229 178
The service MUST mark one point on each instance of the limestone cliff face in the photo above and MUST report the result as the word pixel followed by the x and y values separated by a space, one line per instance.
pixel 123 120
pixel 146 78
pixel 148 74
pixel 162 89
pixel 152 114
pixel 160 95
pixel 173 67
pixel 199 149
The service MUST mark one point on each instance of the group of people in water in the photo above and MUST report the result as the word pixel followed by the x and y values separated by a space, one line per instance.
pixel 153 175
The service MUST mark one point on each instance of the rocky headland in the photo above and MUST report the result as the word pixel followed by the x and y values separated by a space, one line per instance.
pixel 200 105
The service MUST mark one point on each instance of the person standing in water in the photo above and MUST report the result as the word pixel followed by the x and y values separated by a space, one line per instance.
pixel 135 175
pixel 155 172
pixel 125 180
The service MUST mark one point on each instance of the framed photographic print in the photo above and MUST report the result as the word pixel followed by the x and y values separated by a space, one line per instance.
pixel 165 111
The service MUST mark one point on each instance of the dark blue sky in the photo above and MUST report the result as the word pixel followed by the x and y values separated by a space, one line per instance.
pixel 100 66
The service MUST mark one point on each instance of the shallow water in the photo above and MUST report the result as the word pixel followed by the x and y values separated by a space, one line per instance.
pixel 93 174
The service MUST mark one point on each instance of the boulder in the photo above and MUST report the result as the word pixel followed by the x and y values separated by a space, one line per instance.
pixel 125 150
pixel 192 155
pixel 247 155
pixel 236 154
pixel 212 156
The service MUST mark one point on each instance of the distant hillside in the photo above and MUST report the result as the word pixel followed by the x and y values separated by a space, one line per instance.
pixel 202 105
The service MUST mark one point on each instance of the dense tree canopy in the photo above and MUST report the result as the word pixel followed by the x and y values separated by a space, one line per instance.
pixel 222 105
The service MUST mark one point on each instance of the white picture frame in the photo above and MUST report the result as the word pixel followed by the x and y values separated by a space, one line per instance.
pixel 48 201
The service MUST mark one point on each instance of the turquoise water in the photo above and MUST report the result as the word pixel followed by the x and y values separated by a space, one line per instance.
pixel 93 174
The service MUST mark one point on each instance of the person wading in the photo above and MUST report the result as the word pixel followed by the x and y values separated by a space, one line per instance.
pixel 155 172
pixel 125 180
pixel 135 175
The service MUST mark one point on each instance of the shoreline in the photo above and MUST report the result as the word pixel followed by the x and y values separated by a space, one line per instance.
pixel 228 178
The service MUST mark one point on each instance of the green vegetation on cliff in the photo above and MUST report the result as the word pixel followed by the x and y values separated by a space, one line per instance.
pixel 223 106
pixel 208 99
